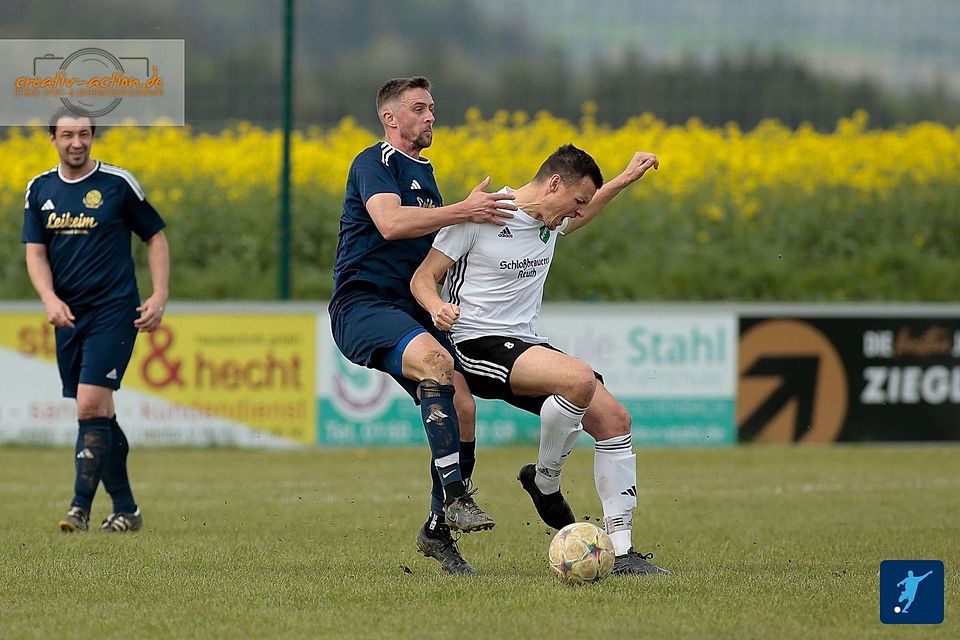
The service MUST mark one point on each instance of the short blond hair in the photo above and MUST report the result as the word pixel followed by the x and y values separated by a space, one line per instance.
pixel 394 88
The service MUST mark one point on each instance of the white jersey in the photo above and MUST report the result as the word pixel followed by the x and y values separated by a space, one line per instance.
pixel 498 276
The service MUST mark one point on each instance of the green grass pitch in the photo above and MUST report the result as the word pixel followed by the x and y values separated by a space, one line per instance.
pixel 764 542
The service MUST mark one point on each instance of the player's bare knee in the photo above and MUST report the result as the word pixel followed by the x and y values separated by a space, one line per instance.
pixel 91 410
pixel 608 423
pixel 581 386
pixel 439 366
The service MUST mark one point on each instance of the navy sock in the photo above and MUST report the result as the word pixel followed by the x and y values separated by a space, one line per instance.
pixel 92 453
pixel 468 458
pixel 443 433
pixel 115 478
pixel 437 526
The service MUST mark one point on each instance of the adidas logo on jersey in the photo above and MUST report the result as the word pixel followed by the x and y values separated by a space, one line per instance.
pixel 48 206
pixel 86 454
pixel 505 233
pixel 415 185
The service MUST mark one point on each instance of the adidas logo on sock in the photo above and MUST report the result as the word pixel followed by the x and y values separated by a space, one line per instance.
pixel 48 206
pixel 435 416
pixel 86 454
pixel 548 473
pixel 111 375
pixel 632 491
pixel 505 233
pixel 415 185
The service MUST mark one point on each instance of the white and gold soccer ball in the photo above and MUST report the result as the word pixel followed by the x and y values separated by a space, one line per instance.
pixel 581 553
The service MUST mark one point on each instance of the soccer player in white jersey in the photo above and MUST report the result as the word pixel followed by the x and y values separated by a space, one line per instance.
pixel 493 279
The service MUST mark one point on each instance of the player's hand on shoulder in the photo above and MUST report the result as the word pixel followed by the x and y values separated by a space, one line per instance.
pixel 482 207
pixel 640 163
pixel 445 316
pixel 151 313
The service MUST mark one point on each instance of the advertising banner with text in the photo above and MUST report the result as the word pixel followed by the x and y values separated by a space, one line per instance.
pixel 829 379
pixel 674 371
pixel 204 378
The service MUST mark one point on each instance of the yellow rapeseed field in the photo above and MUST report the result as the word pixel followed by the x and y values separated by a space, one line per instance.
pixel 714 183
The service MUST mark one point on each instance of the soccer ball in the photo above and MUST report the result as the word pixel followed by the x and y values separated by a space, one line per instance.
pixel 581 553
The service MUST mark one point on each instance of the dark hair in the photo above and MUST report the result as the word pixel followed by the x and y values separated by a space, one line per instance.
pixel 572 165
pixel 67 112
pixel 394 88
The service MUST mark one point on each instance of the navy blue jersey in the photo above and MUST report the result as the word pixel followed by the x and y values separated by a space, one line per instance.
pixel 365 259
pixel 86 225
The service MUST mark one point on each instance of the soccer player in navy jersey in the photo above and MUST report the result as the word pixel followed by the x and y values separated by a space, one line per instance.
pixel 391 212
pixel 77 222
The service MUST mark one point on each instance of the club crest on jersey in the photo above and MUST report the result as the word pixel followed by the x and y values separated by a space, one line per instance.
pixel 93 199
pixel 544 234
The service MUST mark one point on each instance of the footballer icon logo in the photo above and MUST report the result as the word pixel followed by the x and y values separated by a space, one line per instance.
pixel 911 591
pixel 93 199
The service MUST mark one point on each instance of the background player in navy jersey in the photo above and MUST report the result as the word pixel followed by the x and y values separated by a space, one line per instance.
pixel 491 303
pixel 76 227
pixel 391 212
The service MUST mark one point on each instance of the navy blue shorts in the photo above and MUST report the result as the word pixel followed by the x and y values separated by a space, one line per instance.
pixel 98 349
pixel 365 327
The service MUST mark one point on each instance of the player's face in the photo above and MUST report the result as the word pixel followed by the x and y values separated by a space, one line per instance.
pixel 415 118
pixel 567 200
pixel 73 140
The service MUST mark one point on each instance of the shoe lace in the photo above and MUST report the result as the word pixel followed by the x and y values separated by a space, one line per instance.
pixel 633 556
pixel 469 505
pixel 450 544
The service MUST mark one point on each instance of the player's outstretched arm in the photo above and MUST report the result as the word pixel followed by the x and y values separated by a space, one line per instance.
pixel 423 285
pixel 639 164
pixel 397 222
pixel 41 277
pixel 158 259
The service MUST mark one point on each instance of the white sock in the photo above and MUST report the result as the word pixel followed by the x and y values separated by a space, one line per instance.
pixel 559 428
pixel 615 474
